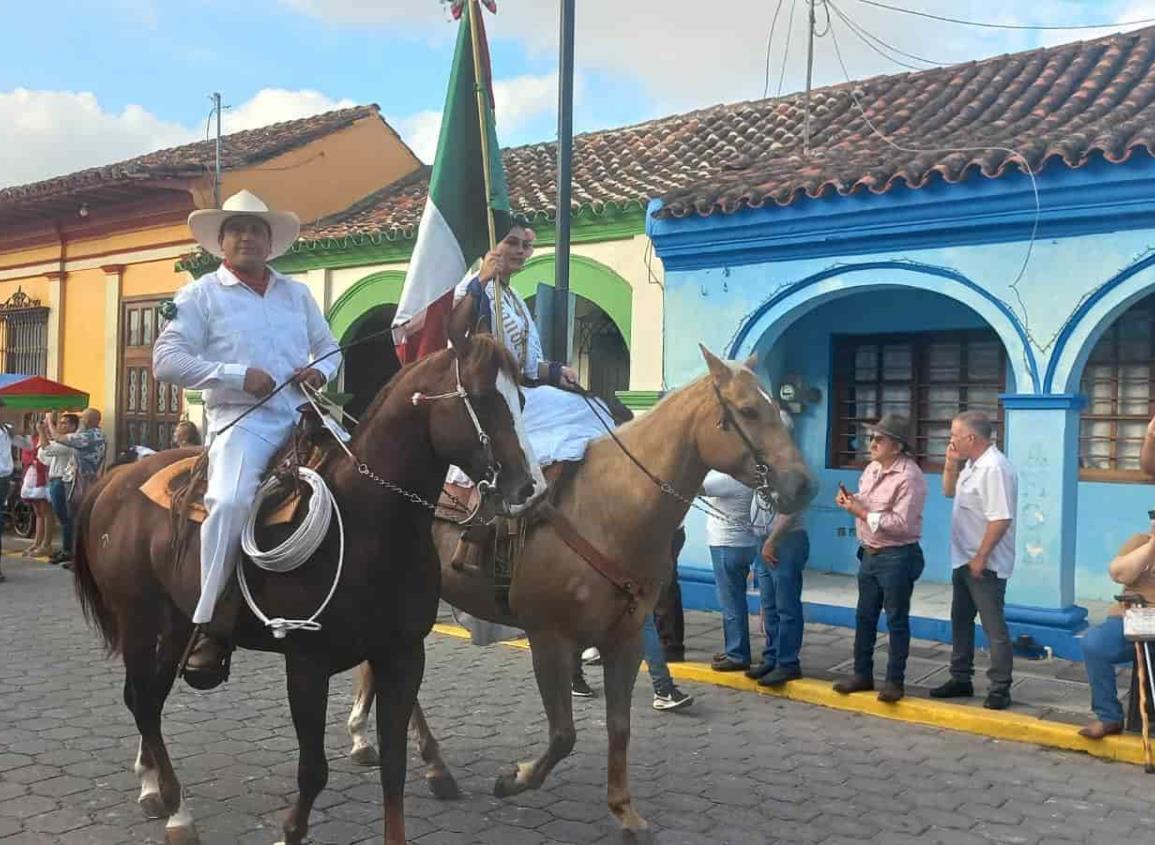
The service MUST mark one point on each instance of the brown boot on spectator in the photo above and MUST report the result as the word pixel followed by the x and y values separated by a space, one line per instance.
pixel 891 692
pixel 1098 730
pixel 856 683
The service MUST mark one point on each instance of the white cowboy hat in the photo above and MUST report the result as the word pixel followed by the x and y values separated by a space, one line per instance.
pixel 206 223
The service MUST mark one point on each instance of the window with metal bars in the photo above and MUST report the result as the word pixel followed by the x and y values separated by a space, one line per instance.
pixel 23 335
pixel 929 377
pixel 1119 383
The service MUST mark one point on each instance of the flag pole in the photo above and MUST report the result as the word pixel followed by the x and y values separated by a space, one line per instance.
pixel 480 83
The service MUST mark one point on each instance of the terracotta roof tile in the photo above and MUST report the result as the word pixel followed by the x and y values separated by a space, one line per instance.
pixel 1065 103
pixel 239 149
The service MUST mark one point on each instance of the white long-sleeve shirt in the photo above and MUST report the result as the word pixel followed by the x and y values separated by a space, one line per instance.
pixel 222 328
pixel 61 460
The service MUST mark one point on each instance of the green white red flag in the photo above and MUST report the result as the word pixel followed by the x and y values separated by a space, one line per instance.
pixel 454 229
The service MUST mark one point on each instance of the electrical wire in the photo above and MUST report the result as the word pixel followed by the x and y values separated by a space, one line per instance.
pixel 769 42
pixel 786 52
pixel 989 25
pixel 867 37
pixel 1026 166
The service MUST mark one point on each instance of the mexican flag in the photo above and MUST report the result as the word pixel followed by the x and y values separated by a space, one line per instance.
pixel 454 230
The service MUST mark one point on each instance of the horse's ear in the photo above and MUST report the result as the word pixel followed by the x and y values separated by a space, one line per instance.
pixel 457 327
pixel 719 369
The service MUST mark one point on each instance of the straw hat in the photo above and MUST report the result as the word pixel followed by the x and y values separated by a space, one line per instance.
pixel 206 223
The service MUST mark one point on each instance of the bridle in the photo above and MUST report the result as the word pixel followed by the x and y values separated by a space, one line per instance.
pixel 765 473
pixel 488 484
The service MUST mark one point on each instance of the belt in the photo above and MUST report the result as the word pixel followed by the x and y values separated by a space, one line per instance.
pixel 877 550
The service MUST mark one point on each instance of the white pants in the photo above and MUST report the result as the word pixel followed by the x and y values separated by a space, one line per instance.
pixel 237 459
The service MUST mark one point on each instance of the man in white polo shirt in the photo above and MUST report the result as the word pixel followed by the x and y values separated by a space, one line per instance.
pixel 985 489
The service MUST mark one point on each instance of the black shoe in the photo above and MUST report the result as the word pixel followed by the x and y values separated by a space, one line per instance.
pixel 675 655
pixel 953 689
pixel 781 675
pixel 997 700
pixel 856 683
pixel 674 699
pixel 891 692
pixel 60 557
pixel 727 664
pixel 759 671
pixel 580 688
pixel 66 565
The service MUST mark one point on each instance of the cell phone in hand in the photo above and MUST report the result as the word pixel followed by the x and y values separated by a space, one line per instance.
pixel 842 489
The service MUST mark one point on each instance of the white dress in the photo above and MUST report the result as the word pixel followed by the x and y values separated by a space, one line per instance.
pixel 559 423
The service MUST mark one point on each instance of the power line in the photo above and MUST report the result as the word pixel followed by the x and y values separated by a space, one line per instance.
pixel 988 25
pixel 786 52
pixel 769 42
pixel 867 36
pixel 1015 154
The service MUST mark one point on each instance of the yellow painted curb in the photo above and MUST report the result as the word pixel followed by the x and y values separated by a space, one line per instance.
pixel 1016 727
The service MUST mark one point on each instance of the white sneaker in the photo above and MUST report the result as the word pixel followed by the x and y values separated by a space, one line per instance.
pixel 592 656
pixel 675 699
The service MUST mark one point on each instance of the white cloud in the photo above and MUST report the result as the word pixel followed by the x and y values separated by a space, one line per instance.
pixel 686 53
pixel 50 133
pixel 517 101
pixel 275 105
pixel 420 131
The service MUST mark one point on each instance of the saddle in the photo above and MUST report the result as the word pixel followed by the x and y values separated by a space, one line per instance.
pixel 492 547
pixel 180 487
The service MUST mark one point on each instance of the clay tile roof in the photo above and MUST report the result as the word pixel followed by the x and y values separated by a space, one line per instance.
pixel 239 149
pixel 1065 103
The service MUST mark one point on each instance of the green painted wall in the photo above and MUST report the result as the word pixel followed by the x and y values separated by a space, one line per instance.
pixel 383 288
pixel 591 279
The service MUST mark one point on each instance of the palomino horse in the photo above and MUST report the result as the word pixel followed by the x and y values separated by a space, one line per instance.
pixel 724 421
pixel 385 602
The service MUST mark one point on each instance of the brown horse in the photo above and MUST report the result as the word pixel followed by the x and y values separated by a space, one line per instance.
pixel 724 421
pixel 458 407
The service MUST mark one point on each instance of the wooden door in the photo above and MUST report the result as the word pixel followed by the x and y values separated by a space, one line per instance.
pixel 147 411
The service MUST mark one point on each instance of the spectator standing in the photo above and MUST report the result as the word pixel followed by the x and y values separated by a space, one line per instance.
pixel 34 490
pixel 186 434
pixel 61 461
pixel 985 488
pixel 735 533
pixel 888 520
pixel 8 441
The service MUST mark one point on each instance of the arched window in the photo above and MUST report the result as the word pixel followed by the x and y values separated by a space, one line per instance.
pixel 1119 383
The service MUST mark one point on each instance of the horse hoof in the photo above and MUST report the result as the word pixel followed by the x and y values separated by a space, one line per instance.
pixel 506 785
pixel 181 836
pixel 153 806
pixel 366 755
pixel 445 787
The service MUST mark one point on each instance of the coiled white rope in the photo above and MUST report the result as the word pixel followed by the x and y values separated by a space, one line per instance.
pixel 295 550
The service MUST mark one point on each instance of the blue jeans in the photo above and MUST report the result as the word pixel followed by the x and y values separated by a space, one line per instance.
pixel 885 582
pixel 731 568
pixel 780 588
pixel 1103 649
pixel 655 657
pixel 58 493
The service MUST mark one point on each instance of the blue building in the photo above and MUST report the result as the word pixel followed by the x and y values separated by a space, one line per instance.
pixel 978 236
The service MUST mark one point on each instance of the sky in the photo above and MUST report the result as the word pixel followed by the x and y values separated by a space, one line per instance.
pixel 90 82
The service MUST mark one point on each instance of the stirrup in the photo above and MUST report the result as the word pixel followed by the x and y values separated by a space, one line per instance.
pixel 204 678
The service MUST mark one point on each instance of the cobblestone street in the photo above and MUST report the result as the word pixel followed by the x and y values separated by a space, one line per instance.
pixel 736 768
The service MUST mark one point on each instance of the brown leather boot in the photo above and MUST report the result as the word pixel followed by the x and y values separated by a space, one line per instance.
pixel 891 692
pixel 207 655
pixel 1098 730
pixel 857 683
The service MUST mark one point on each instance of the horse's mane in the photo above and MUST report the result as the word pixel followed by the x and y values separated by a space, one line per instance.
pixel 482 350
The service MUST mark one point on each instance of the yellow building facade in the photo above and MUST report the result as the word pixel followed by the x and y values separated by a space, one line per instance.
pixel 97 251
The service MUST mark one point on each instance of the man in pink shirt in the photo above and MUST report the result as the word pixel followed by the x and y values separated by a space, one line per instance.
pixel 888 519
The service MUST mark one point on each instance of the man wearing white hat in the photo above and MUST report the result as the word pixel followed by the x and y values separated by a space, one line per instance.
pixel 236 333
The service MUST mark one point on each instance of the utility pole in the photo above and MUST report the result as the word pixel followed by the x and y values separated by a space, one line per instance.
pixel 217 173
pixel 809 78
pixel 561 343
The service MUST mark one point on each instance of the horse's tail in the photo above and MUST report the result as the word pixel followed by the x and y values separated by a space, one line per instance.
pixel 96 610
